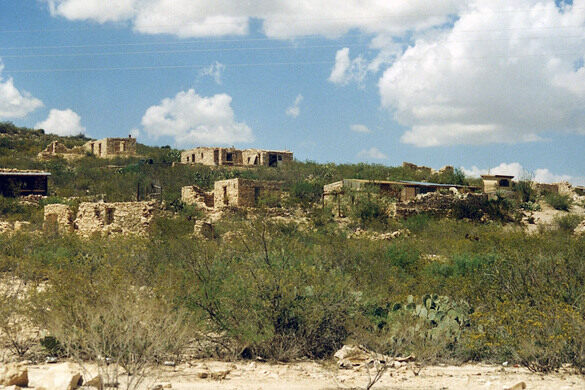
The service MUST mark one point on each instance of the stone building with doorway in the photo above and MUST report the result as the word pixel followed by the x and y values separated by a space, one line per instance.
pixel 243 192
pixel 125 218
pixel 215 156
pixel 112 147
pixel 496 183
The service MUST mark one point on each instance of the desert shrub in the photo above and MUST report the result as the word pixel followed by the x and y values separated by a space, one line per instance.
pixel 558 201
pixel 305 193
pixel 369 210
pixel 568 223
pixel 530 206
pixel 525 191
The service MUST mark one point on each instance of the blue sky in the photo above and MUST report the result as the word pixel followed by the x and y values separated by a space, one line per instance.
pixel 478 84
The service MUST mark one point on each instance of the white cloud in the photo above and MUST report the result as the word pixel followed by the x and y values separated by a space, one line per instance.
pixel 113 11
pixel 372 154
pixel 347 70
pixel 494 77
pixel 281 19
pixel 540 175
pixel 214 71
pixel 62 122
pixel 135 133
pixel 295 109
pixel 192 119
pixel 15 103
pixel 360 128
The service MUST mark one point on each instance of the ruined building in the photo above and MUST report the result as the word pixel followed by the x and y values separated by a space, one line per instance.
pixel 243 192
pixel 193 195
pixel 102 218
pixel 14 182
pixel 112 147
pixel 342 195
pixel 496 183
pixel 236 157
pixel 57 150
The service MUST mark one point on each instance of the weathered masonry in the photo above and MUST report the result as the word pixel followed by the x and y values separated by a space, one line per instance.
pixel 193 195
pixel 495 183
pixel 236 157
pixel 102 218
pixel 243 192
pixel 112 147
pixel 399 190
pixel 14 182
pixel 57 149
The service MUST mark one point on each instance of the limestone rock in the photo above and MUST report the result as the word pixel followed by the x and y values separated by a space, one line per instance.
pixel 14 374
pixel 517 386
pixel 66 376
pixel 580 229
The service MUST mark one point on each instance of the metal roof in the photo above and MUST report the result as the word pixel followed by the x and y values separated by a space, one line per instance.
pixel 405 182
pixel 23 173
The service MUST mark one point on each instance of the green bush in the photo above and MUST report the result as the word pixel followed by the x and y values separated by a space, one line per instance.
pixel 568 223
pixel 525 191
pixel 558 201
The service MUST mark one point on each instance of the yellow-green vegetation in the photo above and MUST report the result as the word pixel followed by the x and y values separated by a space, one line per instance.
pixel 454 289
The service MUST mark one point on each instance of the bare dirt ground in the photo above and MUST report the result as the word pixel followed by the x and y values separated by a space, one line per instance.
pixel 206 374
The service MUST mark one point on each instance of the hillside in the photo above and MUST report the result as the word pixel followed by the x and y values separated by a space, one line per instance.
pixel 291 279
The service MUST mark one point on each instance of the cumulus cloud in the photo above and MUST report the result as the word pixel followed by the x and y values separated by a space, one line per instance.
pixel 62 122
pixel 360 128
pixel 295 109
pixel 347 70
pixel 15 103
pixel 280 19
pixel 113 11
pixel 214 71
pixel 192 119
pixel 494 77
pixel 540 175
pixel 372 153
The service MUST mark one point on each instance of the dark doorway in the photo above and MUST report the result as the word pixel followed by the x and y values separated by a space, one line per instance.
pixel 216 156
pixel 272 160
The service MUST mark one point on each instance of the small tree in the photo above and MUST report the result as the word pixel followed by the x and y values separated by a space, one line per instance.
pixel 125 332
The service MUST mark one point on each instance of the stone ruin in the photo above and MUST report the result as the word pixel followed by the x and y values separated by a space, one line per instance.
pixel 57 150
pixel 193 195
pixel 231 193
pixel 214 156
pixel 125 218
pixel 11 227
pixel 112 147
pixel 437 204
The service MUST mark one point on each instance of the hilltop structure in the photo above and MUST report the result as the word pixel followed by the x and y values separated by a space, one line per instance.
pixel 231 193
pixel 496 183
pixel 14 182
pixel 57 150
pixel 216 156
pixel 112 147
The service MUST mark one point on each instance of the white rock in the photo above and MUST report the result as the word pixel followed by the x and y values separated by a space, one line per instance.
pixel 66 376
pixel 14 374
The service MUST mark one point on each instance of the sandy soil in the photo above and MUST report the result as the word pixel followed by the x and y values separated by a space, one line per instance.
pixel 315 375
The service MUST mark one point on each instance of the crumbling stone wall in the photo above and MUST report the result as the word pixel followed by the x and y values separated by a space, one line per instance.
pixel 59 216
pixel 104 218
pixel 112 147
pixel 193 195
pixel 57 149
pixel 439 205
